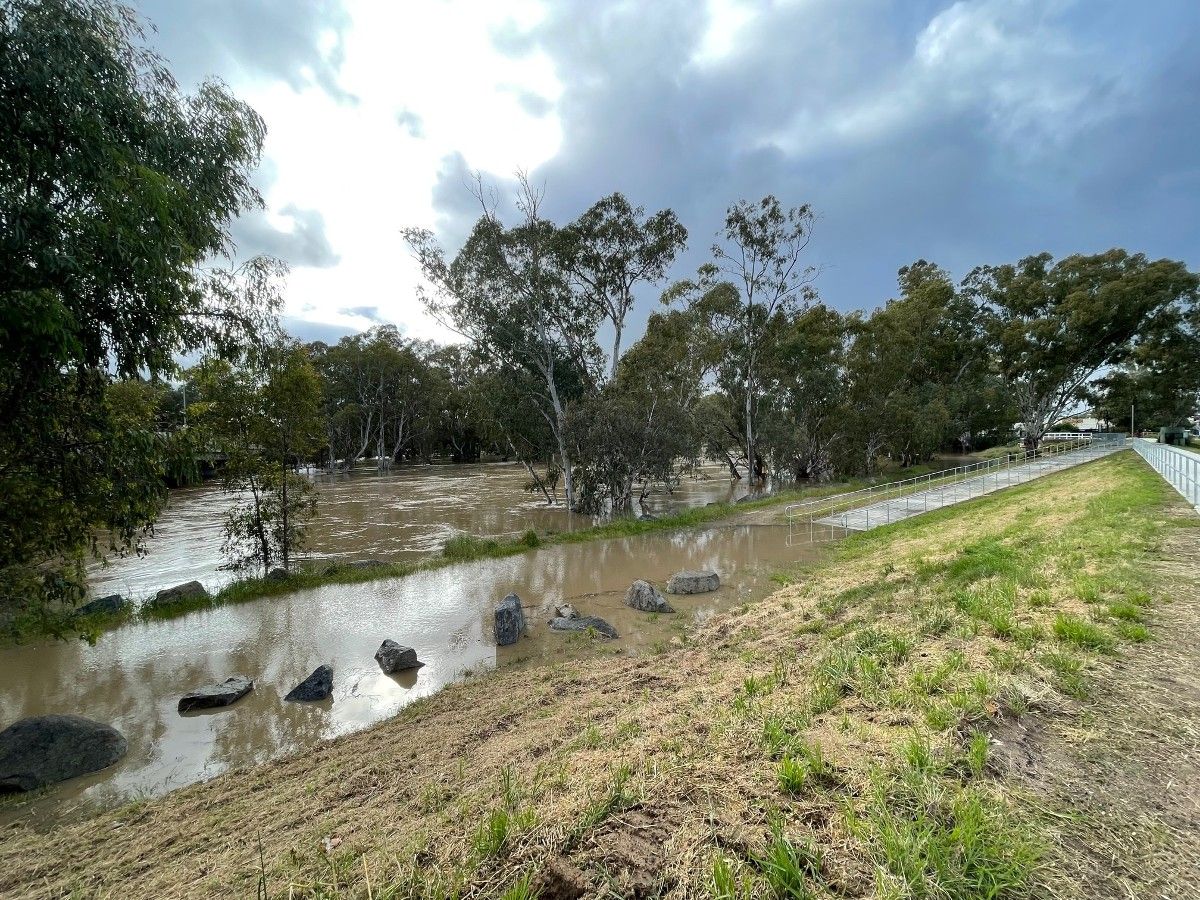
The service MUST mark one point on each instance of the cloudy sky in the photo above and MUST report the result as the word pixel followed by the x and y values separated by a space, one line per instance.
pixel 962 132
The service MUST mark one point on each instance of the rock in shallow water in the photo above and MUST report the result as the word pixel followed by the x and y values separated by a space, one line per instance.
pixel 192 590
pixel 583 623
pixel 102 605
pixel 393 657
pixel 213 695
pixel 689 582
pixel 317 686
pixel 42 750
pixel 645 596
pixel 510 621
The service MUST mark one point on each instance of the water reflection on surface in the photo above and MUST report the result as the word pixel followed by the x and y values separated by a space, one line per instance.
pixel 134 676
pixel 399 515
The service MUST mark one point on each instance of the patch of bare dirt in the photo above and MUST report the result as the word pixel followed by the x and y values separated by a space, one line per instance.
pixel 1120 781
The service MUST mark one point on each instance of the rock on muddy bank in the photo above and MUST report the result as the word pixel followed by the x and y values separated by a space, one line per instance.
pixel 510 621
pixel 42 750
pixel 317 686
pixel 584 623
pixel 192 590
pixel 393 657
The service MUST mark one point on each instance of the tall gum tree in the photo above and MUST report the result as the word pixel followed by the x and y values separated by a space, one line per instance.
pixel 760 254
pixel 1053 327
pixel 611 249
pixel 507 294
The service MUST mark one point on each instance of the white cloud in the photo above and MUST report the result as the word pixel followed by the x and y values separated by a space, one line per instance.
pixel 361 167
pixel 726 21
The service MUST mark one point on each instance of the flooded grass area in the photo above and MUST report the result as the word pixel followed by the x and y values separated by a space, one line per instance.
pixel 132 678
pixel 276 633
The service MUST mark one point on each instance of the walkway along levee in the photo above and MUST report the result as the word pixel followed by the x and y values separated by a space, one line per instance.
pixel 894 501
pixel 1180 468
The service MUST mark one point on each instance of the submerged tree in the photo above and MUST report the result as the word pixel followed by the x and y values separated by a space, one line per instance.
pixel 116 195
pixel 506 293
pixel 641 427
pixel 759 255
pixel 263 417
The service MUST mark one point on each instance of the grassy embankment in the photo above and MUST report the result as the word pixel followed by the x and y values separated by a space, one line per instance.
pixel 461 548
pixel 830 740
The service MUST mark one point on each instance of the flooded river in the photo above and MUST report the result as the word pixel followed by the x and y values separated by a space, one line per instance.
pixel 395 516
pixel 133 677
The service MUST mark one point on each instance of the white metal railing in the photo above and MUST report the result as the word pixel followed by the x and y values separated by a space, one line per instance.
pixel 1180 468
pixel 976 475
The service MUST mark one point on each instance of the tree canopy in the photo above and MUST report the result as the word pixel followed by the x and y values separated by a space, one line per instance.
pixel 117 191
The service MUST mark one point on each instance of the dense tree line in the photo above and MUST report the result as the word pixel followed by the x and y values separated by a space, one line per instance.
pixel 743 364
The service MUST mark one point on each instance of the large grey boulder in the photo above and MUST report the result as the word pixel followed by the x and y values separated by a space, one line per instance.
pixel 393 657
pixel 645 596
pixel 693 582
pixel 317 686
pixel 113 603
pixel 214 695
pixel 42 750
pixel 192 590
pixel 510 621
pixel 278 574
pixel 584 623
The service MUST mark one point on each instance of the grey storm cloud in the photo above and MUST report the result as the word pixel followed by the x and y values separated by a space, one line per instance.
pixel 304 245
pixel 303 330
pixel 965 133
pixel 363 312
pixel 276 38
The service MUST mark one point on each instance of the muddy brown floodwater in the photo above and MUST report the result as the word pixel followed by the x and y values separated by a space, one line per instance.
pixel 133 677
pixel 398 515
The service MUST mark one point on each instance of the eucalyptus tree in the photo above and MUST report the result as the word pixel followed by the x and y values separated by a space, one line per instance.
pixel 918 371
pixel 641 428
pixel 377 393
pixel 806 423
pixel 611 249
pixel 264 416
pixel 759 253
pixel 117 191
pixel 1159 384
pixel 1054 326
pixel 506 293
pixel 506 411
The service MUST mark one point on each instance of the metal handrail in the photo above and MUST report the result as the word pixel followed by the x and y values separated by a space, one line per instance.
pixel 1179 468
pixel 848 500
